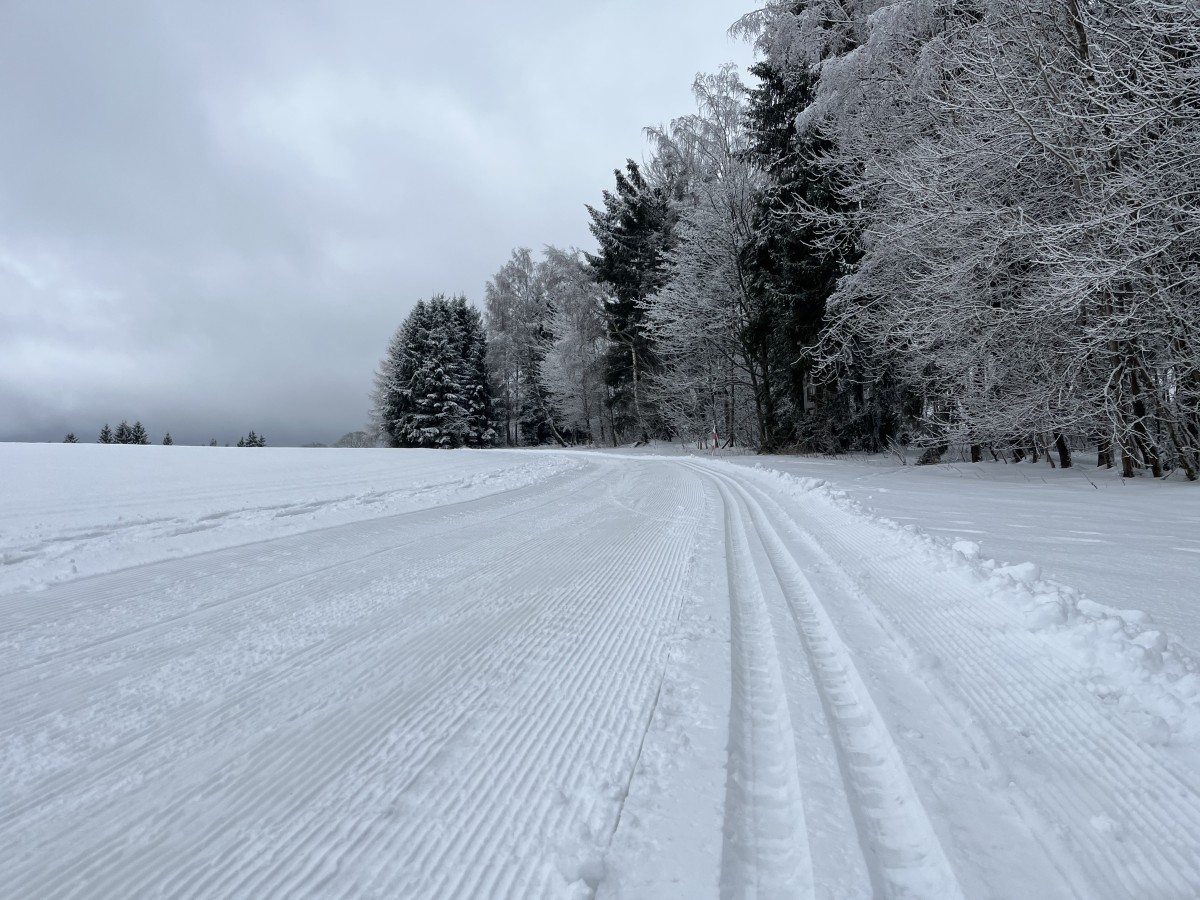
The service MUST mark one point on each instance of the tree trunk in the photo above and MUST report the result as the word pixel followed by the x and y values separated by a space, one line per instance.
pixel 1145 444
pixel 1180 454
pixel 1064 452
pixel 976 453
pixel 1126 463
pixel 1104 453
pixel 637 401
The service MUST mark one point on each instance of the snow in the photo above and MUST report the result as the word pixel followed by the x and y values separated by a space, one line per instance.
pixel 74 510
pixel 1128 544
pixel 347 673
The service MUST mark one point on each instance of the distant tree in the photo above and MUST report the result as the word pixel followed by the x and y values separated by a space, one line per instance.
pixel 138 435
pixel 212 442
pixel 123 433
pixel 432 389
pixel 350 439
pixel 70 438
pixel 106 435
pixel 252 440
pixel 167 442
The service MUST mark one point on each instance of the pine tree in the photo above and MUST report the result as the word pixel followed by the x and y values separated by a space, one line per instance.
pixel 431 389
pixel 167 442
pixel 70 438
pixel 138 435
pixel 253 439
pixel 634 231
pixel 106 435
pixel 476 388
pixel 123 434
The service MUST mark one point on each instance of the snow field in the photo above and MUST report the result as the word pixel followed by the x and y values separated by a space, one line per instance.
pixel 563 675
pixel 70 510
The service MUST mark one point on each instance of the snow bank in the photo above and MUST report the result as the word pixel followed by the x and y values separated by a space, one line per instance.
pixel 1145 672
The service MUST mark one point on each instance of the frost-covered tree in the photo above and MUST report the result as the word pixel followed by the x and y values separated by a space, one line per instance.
pixel 972 223
pixel 1019 178
pixel 710 326
pixel 572 372
pixel 518 317
pixel 106 435
pixel 167 440
pixel 70 438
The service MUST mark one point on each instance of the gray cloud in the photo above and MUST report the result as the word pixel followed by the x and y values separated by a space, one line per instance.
pixel 213 215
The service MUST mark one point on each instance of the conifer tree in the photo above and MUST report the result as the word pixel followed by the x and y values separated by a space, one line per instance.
pixel 634 231
pixel 476 388
pixel 167 442
pixel 106 435
pixel 138 435
pixel 70 438
pixel 431 389
pixel 123 434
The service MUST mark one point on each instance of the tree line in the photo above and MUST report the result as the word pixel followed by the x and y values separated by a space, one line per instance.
pixel 136 433
pixel 971 224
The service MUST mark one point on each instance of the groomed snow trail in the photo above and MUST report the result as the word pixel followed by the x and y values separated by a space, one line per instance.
pixel 446 703
pixel 615 677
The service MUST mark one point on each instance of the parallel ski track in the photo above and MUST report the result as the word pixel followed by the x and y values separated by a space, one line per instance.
pixel 766 850
pixel 338 798
pixel 900 848
pixel 1082 764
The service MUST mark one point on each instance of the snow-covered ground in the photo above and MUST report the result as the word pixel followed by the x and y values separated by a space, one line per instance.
pixel 280 673
pixel 1128 544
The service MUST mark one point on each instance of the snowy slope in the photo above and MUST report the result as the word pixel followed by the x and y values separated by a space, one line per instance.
pixel 408 674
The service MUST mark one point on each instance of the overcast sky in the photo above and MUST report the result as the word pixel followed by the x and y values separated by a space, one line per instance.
pixel 213 214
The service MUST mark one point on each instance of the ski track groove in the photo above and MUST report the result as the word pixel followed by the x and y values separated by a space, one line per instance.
pixel 1016 683
pixel 902 852
pixel 765 850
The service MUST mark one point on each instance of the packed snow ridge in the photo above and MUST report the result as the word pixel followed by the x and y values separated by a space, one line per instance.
pixel 581 674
